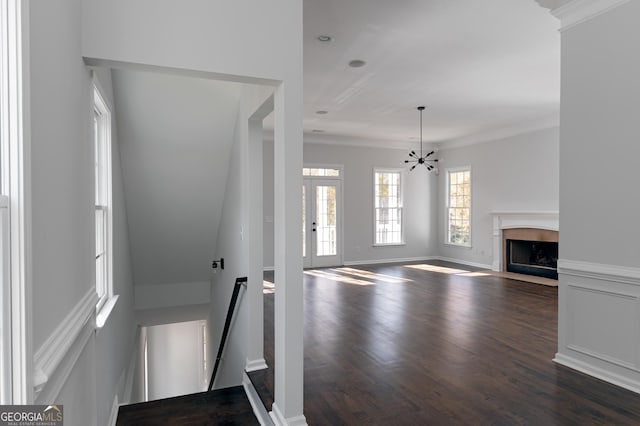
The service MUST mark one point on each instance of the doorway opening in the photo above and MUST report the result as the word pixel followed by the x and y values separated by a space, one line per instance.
pixel 322 216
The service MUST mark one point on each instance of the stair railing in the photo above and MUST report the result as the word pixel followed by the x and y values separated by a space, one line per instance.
pixel 227 323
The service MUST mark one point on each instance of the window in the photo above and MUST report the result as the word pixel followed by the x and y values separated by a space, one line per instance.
pixel 5 304
pixel 102 158
pixel 388 207
pixel 320 171
pixel 13 354
pixel 459 207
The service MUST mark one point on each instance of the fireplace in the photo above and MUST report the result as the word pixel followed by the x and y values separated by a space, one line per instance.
pixel 526 242
pixel 538 258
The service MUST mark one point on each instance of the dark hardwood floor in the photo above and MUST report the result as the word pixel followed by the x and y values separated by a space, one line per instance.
pixel 438 344
pixel 228 406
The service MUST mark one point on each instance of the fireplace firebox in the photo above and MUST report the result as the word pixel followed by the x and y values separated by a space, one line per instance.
pixel 538 258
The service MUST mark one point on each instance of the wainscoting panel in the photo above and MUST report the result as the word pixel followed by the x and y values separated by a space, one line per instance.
pixel 596 321
pixel 599 321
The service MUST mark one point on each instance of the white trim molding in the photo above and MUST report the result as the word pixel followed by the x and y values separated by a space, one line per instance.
pixel 578 11
pixel 599 321
pixel 599 271
pixel 548 220
pixel 61 341
pixel 259 409
pixel 15 155
pixel 255 365
pixel 279 419
pixel 49 393
pixel 621 380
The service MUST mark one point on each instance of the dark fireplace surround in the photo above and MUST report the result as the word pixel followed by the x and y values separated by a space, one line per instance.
pixel 531 251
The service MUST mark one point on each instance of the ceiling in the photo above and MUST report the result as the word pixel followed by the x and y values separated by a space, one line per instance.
pixel 484 70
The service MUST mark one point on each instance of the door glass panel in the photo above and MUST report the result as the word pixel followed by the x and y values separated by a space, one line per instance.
pixel 304 225
pixel 326 220
pixel 311 171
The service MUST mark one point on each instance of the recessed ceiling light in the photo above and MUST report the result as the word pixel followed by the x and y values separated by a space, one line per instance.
pixel 322 112
pixel 325 38
pixel 357 63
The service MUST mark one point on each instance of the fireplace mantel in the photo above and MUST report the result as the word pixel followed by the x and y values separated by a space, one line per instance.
pixel 519 219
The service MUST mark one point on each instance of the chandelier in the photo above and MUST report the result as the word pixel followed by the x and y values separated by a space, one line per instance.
pixel 415 159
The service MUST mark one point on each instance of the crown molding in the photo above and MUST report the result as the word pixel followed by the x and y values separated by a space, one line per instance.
pixel 578 11
pixel 552 4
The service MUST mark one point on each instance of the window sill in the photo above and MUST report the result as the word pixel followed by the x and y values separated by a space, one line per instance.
pixel 103 314
pixel 389 244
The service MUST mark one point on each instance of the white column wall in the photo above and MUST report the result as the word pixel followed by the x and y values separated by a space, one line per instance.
pixel 289 318
pixel 599 267
pixel 248 41
pixel 73 363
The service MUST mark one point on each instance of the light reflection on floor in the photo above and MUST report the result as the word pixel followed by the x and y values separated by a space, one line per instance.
pixel 474 274
pixel 347 275
pixel 448 271
pixel 337 277
pixel 371 275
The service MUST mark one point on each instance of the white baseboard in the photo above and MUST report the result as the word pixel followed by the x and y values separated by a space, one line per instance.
pixel 599 373
pixel 279 419
pixel 256 403
pixel 395 260
pixel 256 365
pixel 64 340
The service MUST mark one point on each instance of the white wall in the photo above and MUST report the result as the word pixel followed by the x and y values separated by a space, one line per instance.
pixel 175 359
pixel 139 373
pixel 599 266
pixel 233 246
pixel 519 173
pixel 249 41
pixel 234 251
pixel 208 38
pixel 115 341
pixel 600 130
pixel 176 134
pixel 62 165
pixel 89 373
pixel 358 163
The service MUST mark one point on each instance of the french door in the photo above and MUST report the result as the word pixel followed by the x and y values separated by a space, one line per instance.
pixel 321 222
